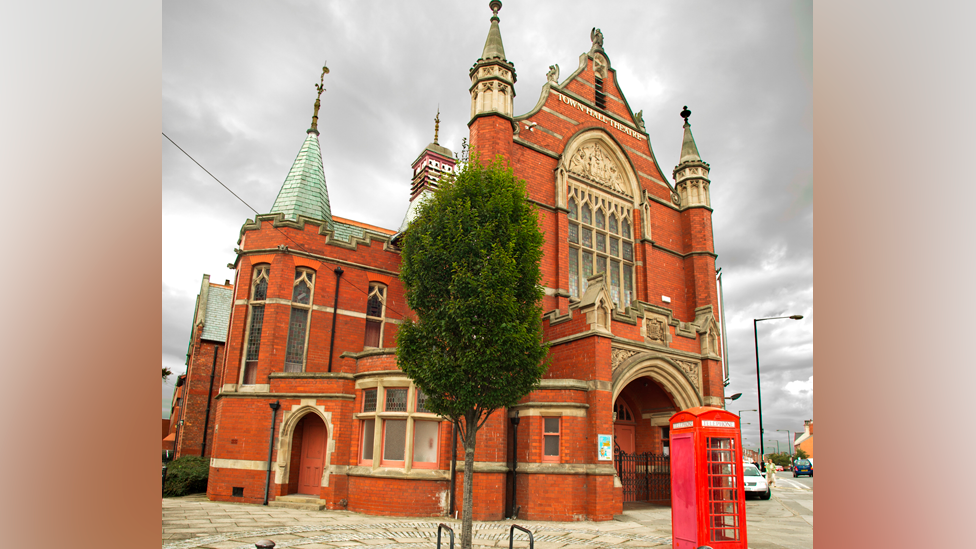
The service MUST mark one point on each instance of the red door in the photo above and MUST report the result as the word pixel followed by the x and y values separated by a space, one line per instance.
pixel 313 456
pixel 625 437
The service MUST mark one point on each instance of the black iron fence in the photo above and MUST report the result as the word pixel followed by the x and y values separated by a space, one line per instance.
pixel 645 477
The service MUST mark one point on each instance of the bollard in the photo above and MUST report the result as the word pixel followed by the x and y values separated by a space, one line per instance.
pixel 264 544
pixel 164 479
pixel 449 530
pixel 511 540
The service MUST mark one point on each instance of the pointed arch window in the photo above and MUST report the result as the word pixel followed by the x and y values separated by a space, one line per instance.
pixel 600 241
pixel 301 307
pixel 375 314
pixel 259 295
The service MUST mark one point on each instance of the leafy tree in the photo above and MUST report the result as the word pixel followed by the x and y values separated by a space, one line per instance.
pixel 166 372
pixel 801 454
pixel 470 267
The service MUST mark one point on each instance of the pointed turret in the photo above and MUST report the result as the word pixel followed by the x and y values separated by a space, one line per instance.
pixel 304 191
pixel 434 162
pixel 493 76
pixel 691 173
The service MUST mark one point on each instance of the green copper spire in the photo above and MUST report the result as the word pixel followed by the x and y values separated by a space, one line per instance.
pixel 304 191
pixel 493 46
pixel 689 151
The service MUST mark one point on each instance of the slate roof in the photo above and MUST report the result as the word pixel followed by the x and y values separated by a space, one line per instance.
pixel 219 301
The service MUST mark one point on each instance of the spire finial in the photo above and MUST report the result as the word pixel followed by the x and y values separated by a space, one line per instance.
pixel 437 124
pixel 685 114
pixel 318 100
pixel 495 6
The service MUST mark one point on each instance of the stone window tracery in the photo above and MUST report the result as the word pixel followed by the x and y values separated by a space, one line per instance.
pixel 375 314
pixel 259 295
pixel 301 306
pixel 600 241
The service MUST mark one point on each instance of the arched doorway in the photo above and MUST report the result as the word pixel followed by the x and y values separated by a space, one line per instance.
pixel 642 409
pixel 308 458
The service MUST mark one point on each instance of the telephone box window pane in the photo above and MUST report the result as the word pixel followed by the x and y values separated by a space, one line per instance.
pixel 725 521
pixel 369 426
pixel 369 400
pixel 395 440
pixel 396 400
pixel 731 534
pixel 723 508
pixel 722 495
pixel 425 441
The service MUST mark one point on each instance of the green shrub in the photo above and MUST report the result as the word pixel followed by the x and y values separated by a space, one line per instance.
pixel 186 475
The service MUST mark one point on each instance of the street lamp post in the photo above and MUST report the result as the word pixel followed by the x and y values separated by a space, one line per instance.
pixel 789 439
pixel 755 335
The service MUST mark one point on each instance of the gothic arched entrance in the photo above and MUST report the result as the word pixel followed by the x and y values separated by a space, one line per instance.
pixel 308 456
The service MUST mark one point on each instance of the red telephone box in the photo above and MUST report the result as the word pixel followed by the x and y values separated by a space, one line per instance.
pixel 707 496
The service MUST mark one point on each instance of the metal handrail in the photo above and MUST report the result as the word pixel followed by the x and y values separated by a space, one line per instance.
pixel 449 529
pixel 511 540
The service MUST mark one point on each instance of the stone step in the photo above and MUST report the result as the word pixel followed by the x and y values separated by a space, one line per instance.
pixel 305 503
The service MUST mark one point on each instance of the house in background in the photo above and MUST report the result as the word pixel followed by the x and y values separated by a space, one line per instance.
pixel 805 440
pixel 193 416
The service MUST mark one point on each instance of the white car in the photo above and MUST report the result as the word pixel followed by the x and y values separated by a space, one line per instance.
pixel 755 483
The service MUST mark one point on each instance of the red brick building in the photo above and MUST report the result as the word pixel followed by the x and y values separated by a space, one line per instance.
pixel 193 413
pixel 311 402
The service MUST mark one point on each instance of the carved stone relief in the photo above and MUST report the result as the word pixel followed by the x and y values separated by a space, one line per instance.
pixel 655 329
pixel 693 370
pixel 618 356
pixel 593 163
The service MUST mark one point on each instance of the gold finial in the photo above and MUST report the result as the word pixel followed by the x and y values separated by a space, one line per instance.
pixel 318 100
pixel 437 124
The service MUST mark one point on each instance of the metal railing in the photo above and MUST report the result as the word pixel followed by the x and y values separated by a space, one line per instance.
pixel 450 531
pixel 511 540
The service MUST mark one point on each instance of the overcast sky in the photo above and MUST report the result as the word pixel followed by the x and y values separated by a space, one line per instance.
pixel 237 94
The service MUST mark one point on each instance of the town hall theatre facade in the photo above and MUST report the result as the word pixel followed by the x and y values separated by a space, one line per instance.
pixel 312 408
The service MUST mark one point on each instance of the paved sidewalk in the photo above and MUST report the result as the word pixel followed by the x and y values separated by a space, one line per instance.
pixel 192 522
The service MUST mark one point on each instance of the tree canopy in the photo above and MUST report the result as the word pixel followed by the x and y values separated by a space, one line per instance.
pixel 470 268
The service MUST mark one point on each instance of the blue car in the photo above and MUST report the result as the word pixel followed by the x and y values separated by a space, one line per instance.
pixel 802 467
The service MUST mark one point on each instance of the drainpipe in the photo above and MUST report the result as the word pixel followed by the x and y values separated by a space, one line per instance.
pixel 335 312
pixel 274 415
pixel 206 418
pixel 515 424
pixel 179 421
pixel 725 341
pixel 453 466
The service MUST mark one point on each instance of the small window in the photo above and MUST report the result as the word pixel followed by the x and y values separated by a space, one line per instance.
pixel 550 439
pixel 425 444
pixel 396 399
pixel 259 293
pixel 369 400
pixel 369 428
pixel 422 402
pixel 375 315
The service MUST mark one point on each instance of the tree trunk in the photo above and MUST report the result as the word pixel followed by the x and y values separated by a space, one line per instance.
pixel 468 503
